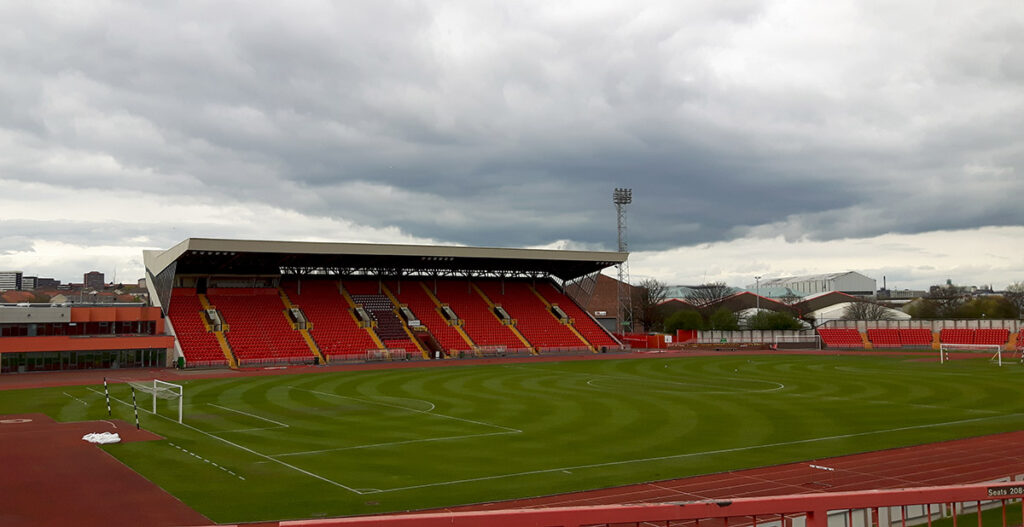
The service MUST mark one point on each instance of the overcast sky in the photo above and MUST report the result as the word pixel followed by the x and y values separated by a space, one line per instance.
pixel 759 137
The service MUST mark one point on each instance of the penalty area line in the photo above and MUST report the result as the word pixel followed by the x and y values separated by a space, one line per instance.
pixel 240 447
pixel 695 454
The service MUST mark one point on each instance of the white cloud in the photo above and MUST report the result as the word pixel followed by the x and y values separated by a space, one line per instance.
pixel 989 255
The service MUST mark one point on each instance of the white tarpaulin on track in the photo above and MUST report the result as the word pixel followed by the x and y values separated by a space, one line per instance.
pixel 102 438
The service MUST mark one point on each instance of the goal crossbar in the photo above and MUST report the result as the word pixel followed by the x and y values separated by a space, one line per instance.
pixel 162 390
pixel 995 349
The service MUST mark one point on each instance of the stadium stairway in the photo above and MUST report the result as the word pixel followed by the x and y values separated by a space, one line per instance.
pixel 478 320
pixel 405 326
pixel 261 331
pixel 304 332
pixel 334 329
pixel 452 336
pixel 222 339
pixel 511 323
pixel 387 325
pixel 194 335
pixel 580 319
pixel 368 327
pixel 567 322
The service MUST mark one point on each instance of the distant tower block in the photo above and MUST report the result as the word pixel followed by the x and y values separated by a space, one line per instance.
pixel 624 314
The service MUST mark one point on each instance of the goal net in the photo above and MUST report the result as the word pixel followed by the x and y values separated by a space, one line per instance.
pixel 161 390
pixel 994 351
pixel 797 342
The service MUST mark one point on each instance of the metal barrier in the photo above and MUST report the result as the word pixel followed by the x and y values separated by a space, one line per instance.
pixel 885 508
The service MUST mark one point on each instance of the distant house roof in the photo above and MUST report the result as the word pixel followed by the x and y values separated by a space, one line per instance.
pixel 15 297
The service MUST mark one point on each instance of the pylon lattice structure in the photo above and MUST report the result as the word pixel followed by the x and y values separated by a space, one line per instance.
pixel 624 308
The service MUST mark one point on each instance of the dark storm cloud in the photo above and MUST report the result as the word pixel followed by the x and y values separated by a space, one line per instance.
pixel 509 125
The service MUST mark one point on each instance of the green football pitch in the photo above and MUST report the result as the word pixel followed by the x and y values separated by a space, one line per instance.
pixel 357 442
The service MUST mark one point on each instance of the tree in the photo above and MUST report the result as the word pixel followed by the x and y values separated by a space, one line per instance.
pixel 724 320
pixel 867 311
pixel 685 319
pixel 922 308
pixel 1015 295
pixel 987 307
pixel 948 298
pixel 648 310
pixel 704 297
pixel 768 320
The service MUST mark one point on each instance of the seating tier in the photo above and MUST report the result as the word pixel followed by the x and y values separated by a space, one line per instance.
pixel 482 326
pixel 259 328
pixel 334 329
pixel 421 305
pixel 533 320
pixel 198 344
pixel 587 327
pixel 841 338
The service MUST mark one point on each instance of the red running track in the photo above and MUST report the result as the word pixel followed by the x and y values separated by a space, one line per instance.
pixel 960 461
pixel 52 477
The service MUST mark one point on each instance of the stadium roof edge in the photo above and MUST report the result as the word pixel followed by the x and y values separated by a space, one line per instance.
pixel 220 253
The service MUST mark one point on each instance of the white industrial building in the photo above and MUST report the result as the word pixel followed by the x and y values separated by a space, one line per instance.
pixel 10 280
pixel 850 282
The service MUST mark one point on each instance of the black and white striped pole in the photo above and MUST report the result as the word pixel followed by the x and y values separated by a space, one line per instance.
pixel 106 391
pixel 136 406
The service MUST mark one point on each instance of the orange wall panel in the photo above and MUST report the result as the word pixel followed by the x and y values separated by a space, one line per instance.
pixel 64 343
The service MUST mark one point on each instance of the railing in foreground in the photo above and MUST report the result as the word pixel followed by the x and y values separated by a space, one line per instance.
pixel 913 506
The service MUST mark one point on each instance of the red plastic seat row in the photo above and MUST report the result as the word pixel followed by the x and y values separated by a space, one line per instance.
pixel 841 338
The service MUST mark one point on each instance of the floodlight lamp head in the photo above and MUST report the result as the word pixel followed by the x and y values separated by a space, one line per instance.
pixel 622 196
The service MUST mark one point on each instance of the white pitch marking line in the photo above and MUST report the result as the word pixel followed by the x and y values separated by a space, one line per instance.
pixel 645 380
pixel 278 423
pixel 251 451
pixel 392 443
pixel 481 423
pixel 694 454
pixel 207 460
pixel 75 398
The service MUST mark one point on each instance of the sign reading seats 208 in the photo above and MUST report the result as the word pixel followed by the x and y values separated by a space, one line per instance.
pixel 1005 490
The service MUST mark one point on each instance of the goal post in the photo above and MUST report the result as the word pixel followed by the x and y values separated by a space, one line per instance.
pixel 996 351
pixel 162 390
pixel 810 341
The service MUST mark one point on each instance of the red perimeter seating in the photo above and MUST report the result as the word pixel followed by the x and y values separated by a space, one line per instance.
pixel 199 345
pixel 421 305
pixel 1020 340
pixel 259 329
pixel 533 320
pixel 991 336
pixel 482 326
pixel 334 329
pixel 591 330
pixel 884 338
pixel 957 336
pixel 841 338
pixel 916 337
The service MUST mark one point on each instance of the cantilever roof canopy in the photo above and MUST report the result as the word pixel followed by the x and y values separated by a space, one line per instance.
pixel 205 256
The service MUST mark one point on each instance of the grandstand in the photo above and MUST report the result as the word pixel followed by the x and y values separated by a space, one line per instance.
pixel 240 303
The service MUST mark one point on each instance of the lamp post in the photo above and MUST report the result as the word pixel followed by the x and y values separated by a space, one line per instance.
pixel 757 287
